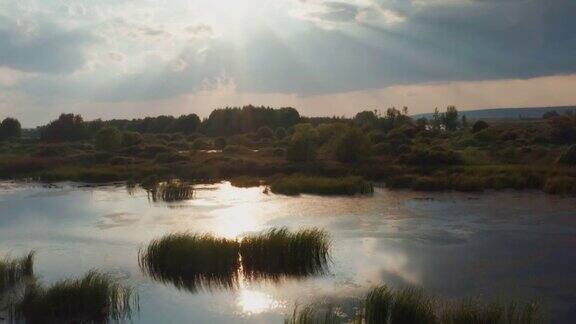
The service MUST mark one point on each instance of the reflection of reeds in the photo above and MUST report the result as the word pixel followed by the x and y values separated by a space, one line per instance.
pixel 475 311
pixel 95 298
pixel 411 305
pixel 169 191
pixel 313 314
pixel 192 261
pixel 279 252
pixel 13 271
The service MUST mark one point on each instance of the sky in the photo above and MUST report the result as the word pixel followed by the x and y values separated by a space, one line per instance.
pixel 135 58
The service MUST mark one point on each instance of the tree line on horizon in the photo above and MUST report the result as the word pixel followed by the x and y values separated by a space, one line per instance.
pixel 266 122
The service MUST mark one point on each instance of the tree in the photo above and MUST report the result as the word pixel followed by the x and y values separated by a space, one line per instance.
pixel 10 127
pixel 366 119
pixel 450 118
pixel 328 132
pixel 464 121
pixel 436 120
pixel 68 127
pixel 186 124
pixel 394 118
pixel 479 126
pixel 302 146
pixel 108 139
pixel 353 146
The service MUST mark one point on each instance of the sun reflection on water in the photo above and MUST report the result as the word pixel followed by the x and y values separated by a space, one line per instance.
pixel 253 302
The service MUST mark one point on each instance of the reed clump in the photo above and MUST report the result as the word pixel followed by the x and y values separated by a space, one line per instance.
pixel 192 261
pixel 279 252
pixel 298 184
pixel 95 298
pixel 383 305
pixel 13 271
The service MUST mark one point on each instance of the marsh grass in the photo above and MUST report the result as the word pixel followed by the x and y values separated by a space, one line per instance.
pixel 378 305
pixel 298 184
pixel 170 191
pixel 192 261
pixel 13 271
pixel 411 305
pixel 279 252
pixel 95 298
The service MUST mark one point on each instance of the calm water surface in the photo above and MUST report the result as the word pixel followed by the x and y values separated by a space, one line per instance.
pixel 493 245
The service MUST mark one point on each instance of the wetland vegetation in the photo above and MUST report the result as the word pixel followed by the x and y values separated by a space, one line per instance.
pixel 409 305
pixel 295 154
pixel 194 261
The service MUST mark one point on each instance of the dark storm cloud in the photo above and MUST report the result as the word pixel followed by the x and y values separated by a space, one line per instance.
pixel 41 47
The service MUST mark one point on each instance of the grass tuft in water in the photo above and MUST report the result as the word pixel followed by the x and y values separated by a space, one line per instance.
pixel 279 252
pixel 378 305
pixel 192 261
pixel 170 191
pixel 411 305
pixel 95 298
pixel 13 271
pixel 297 184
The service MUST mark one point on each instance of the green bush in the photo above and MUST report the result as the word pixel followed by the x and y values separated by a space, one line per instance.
pixel 431 157
pixel 353 146
pixel 131 138
pixel 108 139
pixel 219 143
pixel 560 185
pixel 302 147
pixel 479 126
pixel 265 132
pixel 10 128
pixel 200 144
pixel 296 184
pixel 280 133
pixel 569 156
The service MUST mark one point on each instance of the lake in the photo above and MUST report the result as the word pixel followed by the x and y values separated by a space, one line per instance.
pixel 494 245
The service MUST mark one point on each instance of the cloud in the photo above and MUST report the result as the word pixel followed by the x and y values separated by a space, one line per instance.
pixel 41 46
pixel 115 52
pixel 334 14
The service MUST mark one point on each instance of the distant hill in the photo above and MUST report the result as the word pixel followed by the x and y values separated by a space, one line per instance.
pixel 508 113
